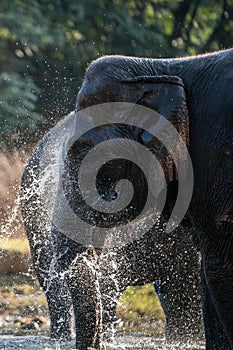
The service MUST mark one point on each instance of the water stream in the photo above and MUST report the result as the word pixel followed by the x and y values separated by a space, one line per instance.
pixel 135 341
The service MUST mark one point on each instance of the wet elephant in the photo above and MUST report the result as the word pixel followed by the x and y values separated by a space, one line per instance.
pixel 92 279
pixel 207 80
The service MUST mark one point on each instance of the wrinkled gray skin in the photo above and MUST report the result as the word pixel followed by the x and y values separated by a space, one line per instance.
pixel 208 80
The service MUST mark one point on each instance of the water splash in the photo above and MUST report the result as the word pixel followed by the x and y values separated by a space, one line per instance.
pixel 135 341
pixel 45 188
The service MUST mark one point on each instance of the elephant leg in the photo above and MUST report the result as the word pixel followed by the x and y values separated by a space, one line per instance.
pixel 47 265
pixel 215 336
pixel 180 300
pixel 85 293
pixel 180 294
pixel 110 293
pixel 59 303
pixel 109 301
pixel 218 273
pixel 173 259
pixel 57 295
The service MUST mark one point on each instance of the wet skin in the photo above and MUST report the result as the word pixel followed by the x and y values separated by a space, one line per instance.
pixel 207 80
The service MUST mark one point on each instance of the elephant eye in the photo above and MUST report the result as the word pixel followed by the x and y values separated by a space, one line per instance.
pixel 227 151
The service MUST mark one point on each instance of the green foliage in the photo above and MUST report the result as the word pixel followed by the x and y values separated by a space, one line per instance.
pixel 140 305
pixel 17 101
pixel 46 46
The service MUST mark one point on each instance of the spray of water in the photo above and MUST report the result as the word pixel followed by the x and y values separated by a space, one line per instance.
pixel 50 204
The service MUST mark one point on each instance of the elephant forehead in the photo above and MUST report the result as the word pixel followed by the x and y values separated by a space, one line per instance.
pixel 102 133
pixel 109 131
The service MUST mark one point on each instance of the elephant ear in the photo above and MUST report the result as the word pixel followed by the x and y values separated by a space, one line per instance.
pixel 166 95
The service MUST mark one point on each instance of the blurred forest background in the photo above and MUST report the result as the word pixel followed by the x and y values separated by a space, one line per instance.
pixel 45 47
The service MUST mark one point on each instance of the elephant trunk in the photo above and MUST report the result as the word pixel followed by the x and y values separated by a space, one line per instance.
pixel 85 293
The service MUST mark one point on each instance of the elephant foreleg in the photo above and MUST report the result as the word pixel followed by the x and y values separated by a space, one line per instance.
pixel 85 293
pixel 111 290
pixel 180 300
pixel 46 264
pixel 109 302
pixel 215 336
pixel 218 278
pixel 58 298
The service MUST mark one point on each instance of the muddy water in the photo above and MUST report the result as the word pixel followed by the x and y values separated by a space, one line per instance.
pixel 134 341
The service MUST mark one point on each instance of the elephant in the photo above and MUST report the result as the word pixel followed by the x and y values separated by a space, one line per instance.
pixel 91 279
pixel 206 79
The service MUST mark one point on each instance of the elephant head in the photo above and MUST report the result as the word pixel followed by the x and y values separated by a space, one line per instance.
pixel 163 94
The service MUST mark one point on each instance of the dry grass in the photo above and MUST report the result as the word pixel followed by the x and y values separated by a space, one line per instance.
pixel 14 299
pixel 14 248
pixel 20 295
pixel 19 245
pixel 14 255
pixel 11 168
